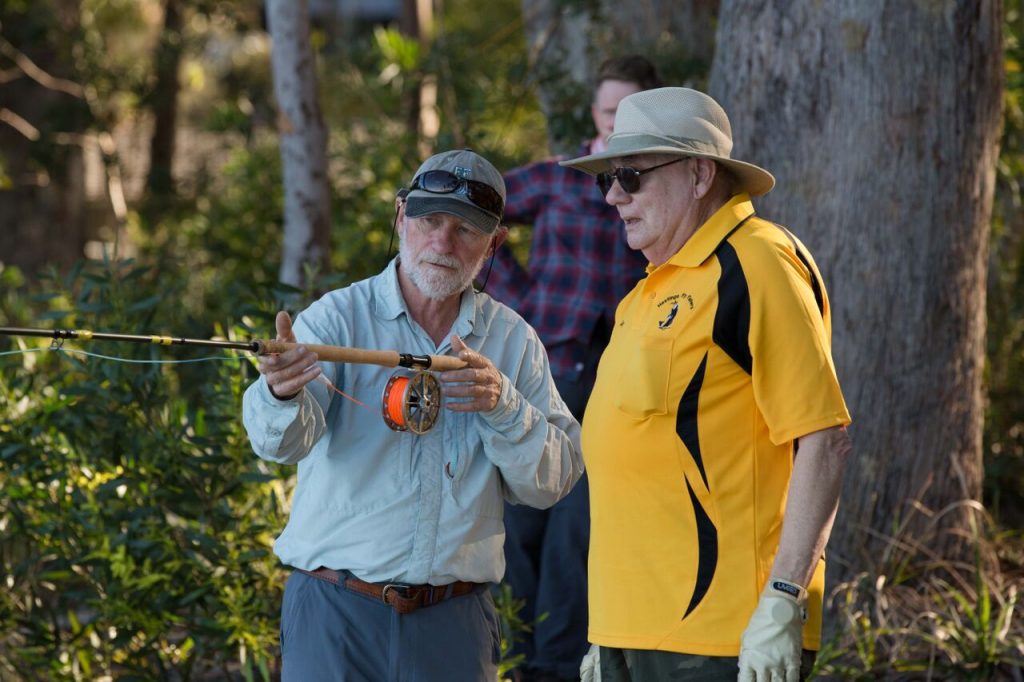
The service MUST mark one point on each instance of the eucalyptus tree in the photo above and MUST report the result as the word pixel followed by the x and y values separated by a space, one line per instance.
pixel 881 122
pixel 303 140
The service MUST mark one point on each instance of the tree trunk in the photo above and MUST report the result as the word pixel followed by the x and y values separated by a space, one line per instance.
pixel 881 123
pixel 556 42
pixel 303 142
pixel 420 102
pixel 567 42
pixel 686 30
pixel 43 210
pixel 164 105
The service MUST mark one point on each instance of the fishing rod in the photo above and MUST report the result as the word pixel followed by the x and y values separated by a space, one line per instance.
pixel 408 403
pixel 362 356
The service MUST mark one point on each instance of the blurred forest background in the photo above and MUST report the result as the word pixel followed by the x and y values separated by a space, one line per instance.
pixel 142 191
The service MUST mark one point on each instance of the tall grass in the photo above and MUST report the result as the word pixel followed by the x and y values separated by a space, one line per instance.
pixel 920 616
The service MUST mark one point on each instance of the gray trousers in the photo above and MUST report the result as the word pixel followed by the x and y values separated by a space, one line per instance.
pixel 330 634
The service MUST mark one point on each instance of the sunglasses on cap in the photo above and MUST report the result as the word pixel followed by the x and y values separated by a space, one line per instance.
pixel 628 177
pixel 443 182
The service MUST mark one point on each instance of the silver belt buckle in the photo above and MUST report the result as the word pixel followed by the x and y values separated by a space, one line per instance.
pixel 401 588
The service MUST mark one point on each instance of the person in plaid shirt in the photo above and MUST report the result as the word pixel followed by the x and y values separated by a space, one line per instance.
pixel 580 267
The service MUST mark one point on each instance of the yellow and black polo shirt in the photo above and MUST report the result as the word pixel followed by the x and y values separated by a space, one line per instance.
pixel 719 359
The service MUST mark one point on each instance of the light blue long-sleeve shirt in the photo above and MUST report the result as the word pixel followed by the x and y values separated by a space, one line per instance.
pixel 396 506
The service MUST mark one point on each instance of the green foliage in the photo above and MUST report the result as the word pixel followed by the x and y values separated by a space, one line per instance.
pixel 135 525
pixel 1004 419
pixel 512 627
pixel 230 240
pixel 919 616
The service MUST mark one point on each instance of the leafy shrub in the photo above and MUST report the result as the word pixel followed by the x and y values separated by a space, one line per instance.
pixel 135 524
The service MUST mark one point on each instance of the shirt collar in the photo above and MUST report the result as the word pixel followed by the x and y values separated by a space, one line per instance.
pixel 708 236
pixel 390 303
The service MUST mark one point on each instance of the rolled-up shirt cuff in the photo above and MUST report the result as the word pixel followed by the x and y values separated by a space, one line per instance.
pixel 274 416
pixel 506 413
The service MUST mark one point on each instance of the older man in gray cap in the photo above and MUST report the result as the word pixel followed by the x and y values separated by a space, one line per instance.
pixel 707 525
pixel 395 535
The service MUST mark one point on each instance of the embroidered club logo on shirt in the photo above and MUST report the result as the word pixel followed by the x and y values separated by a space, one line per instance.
pixel 673 310
pixel 667 322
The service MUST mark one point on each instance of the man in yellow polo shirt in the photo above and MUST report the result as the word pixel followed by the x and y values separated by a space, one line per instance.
pixel 715 437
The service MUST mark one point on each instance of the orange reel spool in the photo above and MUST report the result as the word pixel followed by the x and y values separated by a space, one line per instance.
pixel 411 403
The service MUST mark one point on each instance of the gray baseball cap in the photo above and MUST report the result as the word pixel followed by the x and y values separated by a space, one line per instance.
pixel 473 189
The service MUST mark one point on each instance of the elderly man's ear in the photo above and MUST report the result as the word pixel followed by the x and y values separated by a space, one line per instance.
pixel 400 197
pixel 498 239
pixel 704 171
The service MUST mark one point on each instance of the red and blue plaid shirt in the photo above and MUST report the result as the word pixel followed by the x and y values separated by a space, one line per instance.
pixel 580 266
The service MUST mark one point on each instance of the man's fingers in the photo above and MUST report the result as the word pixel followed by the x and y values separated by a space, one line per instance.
pixel 464 390
pixel 468 374
pixel 293 378
pixel 283 323
pixel 285 388
pixel 467 354
pixel 293 356
pixel 477 386
pixel 288 372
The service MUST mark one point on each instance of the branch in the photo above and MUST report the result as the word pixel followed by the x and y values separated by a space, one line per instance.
pixel 8 75
pixel 18 123
pixel 32 133
pixel 33 71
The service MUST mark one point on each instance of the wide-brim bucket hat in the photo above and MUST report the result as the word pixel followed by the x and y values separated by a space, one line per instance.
pixel 677 122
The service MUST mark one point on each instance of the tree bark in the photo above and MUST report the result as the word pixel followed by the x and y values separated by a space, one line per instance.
pixel 420 101
pixel 556 43
pixel 43 212
pixel 687 29
pixel 567 42
pixel 303 142
pixel 164 105
pixel 881 122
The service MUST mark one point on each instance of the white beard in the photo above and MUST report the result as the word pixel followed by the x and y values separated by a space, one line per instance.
pixel 432 282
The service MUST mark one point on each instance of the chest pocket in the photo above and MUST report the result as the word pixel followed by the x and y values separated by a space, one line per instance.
pixel 644 374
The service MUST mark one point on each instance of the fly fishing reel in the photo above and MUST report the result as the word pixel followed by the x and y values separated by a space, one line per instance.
pixel 411 403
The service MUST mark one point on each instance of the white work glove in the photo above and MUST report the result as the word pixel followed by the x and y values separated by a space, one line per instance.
pixel 772 644
pixel 590 667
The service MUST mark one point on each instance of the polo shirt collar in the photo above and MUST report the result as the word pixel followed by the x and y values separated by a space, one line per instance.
pixel 708 236
pixel 390 303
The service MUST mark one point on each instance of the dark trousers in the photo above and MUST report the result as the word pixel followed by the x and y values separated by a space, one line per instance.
pixel 546 556
pixel 642 665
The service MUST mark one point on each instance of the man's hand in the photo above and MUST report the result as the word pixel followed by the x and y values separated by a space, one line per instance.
pixel 288 372
pixel 480 381
pixel 771 646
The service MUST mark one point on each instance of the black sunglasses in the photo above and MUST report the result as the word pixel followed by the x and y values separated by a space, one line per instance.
pixel 628 177
pixel 443 182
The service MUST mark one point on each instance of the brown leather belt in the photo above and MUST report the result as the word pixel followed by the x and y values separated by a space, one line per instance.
pixel 399 596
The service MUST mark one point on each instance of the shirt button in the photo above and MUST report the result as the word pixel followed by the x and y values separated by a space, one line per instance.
pixel 579 366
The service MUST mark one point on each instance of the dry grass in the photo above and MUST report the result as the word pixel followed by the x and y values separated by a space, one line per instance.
pixel 920 616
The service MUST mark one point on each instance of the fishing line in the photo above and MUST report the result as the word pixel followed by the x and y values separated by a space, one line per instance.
pixel 409 402
pixel 220 358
